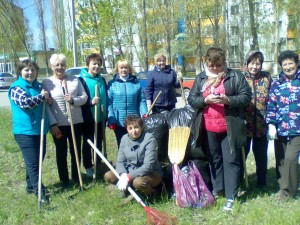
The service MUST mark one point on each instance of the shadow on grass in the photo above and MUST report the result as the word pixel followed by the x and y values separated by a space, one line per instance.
pixel 254 191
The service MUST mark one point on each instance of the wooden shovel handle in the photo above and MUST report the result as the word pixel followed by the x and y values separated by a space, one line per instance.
pixel 155 100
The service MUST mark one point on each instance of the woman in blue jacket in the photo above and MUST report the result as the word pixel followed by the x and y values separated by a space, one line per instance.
pixel 283 117
pixel 125 97
pixel 26 98
pixel 161 78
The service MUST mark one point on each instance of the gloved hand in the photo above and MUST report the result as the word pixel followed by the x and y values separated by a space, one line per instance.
pixel 123 182
pixel 112 126
pixel 145 116
pixel 272 132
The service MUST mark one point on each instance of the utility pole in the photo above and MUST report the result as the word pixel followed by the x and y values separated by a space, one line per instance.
pixel 74 35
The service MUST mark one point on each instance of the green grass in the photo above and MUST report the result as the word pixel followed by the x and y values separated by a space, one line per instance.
pixel 96 205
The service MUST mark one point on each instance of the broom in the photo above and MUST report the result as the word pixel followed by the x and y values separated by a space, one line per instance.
pixel 153 216
pixel 178 139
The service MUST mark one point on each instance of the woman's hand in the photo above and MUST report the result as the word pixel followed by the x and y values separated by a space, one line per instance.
pixel 69 98
pixel 216 99
pixel 95 100
pixel 55 131
pixel 45 94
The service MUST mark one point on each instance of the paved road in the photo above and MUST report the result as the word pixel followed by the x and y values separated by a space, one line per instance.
pixel 4 102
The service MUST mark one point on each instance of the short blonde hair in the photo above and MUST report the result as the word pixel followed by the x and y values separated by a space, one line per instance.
pixel 123 62
pixel 158 56
pixel 56 57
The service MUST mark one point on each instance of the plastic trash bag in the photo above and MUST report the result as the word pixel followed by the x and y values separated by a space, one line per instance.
pixel 157 125
pixel 190 188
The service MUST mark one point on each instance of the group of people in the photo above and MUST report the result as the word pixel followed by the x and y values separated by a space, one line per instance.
pixel 122 97
pixel 234 109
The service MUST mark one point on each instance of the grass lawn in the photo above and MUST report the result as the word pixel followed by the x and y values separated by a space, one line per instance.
pixel 97 205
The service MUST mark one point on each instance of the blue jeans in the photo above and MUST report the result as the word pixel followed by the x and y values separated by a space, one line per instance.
pixel 30 147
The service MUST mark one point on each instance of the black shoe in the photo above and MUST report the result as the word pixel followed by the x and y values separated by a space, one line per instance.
pixel 44 200
pixel 65 185
pixel 29 190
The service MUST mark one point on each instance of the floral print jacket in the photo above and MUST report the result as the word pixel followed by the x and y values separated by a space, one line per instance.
pixel 255 112
pixel 284 105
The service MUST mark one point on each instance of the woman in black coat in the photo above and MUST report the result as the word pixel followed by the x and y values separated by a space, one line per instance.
pixel 220 94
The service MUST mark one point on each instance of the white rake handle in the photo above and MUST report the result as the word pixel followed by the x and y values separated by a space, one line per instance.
pixel 132 192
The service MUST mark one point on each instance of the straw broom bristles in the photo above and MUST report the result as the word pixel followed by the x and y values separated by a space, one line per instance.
pixel 178 139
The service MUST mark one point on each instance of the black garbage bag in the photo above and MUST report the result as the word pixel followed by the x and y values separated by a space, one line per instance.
pixel 157 125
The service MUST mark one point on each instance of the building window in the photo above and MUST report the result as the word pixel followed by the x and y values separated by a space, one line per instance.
pixel 234 10
pixel 234 30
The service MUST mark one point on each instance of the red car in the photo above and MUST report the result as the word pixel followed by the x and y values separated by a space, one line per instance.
pixel 187 85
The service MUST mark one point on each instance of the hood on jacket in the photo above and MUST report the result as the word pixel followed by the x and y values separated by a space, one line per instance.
pixel 251 55
pixel 130 78
pixel 166 69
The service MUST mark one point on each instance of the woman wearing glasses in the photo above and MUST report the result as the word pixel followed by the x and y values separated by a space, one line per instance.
pixel 59 123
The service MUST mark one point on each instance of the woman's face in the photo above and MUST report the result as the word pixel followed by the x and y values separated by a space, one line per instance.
pixel 254 67
pixel 28 73
pixel 94 67
pixel 59 68
pixel 123 70
pixel 216 67
pixel 134 130
pixel 289 67
pixel 161 63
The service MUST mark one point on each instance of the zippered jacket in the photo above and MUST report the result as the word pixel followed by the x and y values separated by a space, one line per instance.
pixel 89 82
pixel 283 109
pixel 164 81
pixel 125 98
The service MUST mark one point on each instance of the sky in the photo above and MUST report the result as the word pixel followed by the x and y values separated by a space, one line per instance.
pixel 31 14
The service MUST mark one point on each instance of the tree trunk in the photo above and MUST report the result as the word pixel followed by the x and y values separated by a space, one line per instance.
pixel 276 41
pixel 242 32
pixel 254 45
pixel 145 35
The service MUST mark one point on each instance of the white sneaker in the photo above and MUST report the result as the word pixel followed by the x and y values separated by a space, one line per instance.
pixel 90 171
pixel 229 205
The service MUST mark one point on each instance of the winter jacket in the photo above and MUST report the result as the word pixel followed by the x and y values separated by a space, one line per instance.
pixel 88 109
pixel 28 121
pixel 283 109
pixel 58 110
pixel 124 98
pixel 255 112
pixel 164 81
pixel 138 157
pixel 239 93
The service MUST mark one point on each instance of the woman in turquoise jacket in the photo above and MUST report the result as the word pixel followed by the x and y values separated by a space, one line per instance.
pixel 90 77
pixel 26 98
pixel 125 97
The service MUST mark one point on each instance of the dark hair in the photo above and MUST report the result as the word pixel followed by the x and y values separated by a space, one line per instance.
pixel 287 55
pixel 27 63
pixel 133 119
pixel 214 54
pixel 94 56
pixel 253 55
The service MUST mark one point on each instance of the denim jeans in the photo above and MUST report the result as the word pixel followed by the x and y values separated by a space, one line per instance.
pixel 30 147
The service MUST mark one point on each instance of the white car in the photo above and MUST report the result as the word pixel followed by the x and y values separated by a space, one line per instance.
pixel 6 79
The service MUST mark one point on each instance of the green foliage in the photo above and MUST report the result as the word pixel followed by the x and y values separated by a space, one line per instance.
pixel 99 205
